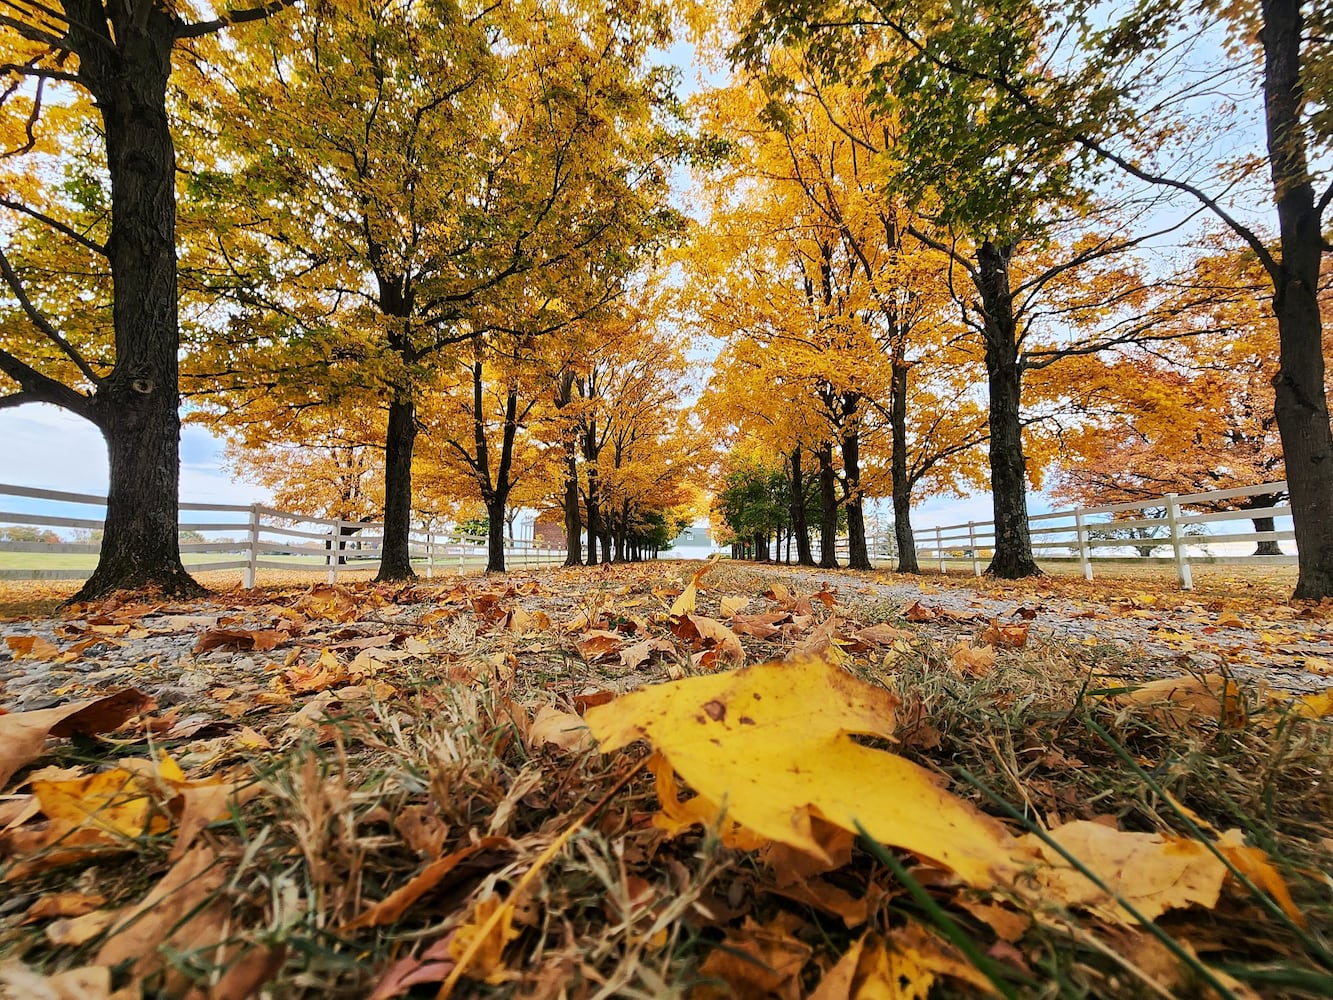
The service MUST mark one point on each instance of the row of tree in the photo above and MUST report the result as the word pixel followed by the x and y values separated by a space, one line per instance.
pixel 929 197
pixel 353 223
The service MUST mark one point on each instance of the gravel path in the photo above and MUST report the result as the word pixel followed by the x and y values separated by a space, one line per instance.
pixel 153 647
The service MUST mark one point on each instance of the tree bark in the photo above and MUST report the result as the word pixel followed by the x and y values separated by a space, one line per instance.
pixel 495 534
pixel 399 440
pixel 828 520
pixel 1301 402
pixel 137 407
pixel 857 555
pixel 573 524
pixel 1269 547
pixel 1013 543
pixel 799 525
pixel 902 484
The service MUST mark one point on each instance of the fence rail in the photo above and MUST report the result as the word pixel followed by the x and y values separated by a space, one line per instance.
pixel 257 537
pixel 1173 521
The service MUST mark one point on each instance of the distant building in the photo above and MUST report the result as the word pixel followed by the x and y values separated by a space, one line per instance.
pixel 695 542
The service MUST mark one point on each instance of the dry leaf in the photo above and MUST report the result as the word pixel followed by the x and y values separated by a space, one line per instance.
pixel 755 961
pixel 63 904
pixel 31 647
pixel 1254 864
pixel 487 961
pixel 1181 701
pixel 1013 636
pixel 904 967
pixel 239 639
pixel 91 982
pixel 774 743
pixel 74 931
pixel 183 913
pixel 1151 872
pixel 561 729
pixel 23 734
pixel 391 908
pixel 973 661
pixel 685 603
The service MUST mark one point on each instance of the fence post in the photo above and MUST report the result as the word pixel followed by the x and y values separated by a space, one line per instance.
pixel 1177 543
pixel 939 549
pixel 972 542
pixel 335 549
pixel 1084 557
pixel 461 550
pixel 252 547
pixel 430 555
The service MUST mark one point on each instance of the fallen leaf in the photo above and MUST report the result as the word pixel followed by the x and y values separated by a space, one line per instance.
pixel 902 967
pixel 974 661
pixel 774 743
pixel 486 945
pixel 239 639
pixel 1151 872
pixel 1182 701
pixel 89 982
pixel 755 961
pixel 685 603
pixel 632 656
pixel 181 915
pixel 32 647
pixel 391 908
pixel 560 729
pixel 1254 864
pixel 63 904
pixel 74 931
pixel 594 646
pixel 23 734
pixel 1012 636
pixel 883 635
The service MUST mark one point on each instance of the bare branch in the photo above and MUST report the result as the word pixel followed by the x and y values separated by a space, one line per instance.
pixel 230 17
pixel 11 279
pixel 56 224
pixel 38 388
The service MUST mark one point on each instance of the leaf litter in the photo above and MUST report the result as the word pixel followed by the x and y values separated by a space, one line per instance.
pixel 593 782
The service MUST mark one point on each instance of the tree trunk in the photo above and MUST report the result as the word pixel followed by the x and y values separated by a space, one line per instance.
pixel 495 535
pixel 902 484
pixel 1013 543
pixel 400 437
pixel 857 555
pixel 1269 547
pixel 1301 403
pixel 800 527
pixel 137 407
pixel 828 520
pixel 573 525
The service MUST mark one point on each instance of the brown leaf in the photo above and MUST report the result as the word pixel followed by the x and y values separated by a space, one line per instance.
pixel 23 734
pixel 63 904
pixel 599 645
pixel 31 647
pixel 755 961
pixel 1182 701
pixel 974 661
pixel 184 912
pixel 1013 636
pixel 89 982
pixel 74 931
pixel 883 635
pixel 632 656
pixel 564 730
pixel 763 626
pixel 246 975
pixel 239 639
pixel 391 908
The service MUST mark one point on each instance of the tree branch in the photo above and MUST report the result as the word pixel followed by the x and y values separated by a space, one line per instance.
pixel 230 17
pixel 42 323
pixel 56 224
pixel 38 388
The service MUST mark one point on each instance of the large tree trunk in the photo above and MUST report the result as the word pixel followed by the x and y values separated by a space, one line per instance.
pixel 1301 403
pixel 799 526
pixel 1013 543
pixel 137 407
pixel 857 556
pixel 902 484
pixel 1268 547
pixel 594 519
pixel 828 520
pixel 399 440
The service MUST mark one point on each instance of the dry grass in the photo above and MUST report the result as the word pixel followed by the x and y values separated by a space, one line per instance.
pixel 353 807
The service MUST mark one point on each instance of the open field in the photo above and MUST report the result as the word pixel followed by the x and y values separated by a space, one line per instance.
pixel 403 792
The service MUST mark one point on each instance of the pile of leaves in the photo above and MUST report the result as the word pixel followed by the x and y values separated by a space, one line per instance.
pixel 602 782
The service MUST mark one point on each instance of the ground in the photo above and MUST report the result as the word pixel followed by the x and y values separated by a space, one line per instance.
pixel 351 790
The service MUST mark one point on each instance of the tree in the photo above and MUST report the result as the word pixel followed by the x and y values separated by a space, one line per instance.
pixel 442 171
pixel 129 388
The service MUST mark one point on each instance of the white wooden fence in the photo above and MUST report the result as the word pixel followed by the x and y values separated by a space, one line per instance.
pixel 235 537
pixel 1187 524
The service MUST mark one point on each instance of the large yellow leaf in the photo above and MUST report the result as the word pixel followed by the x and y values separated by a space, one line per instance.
pixel 772 744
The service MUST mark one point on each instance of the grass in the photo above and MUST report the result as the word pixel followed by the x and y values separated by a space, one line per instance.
pixel 622 910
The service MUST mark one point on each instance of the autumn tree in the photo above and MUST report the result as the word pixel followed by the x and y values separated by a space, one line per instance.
pixel 438 166
pixel 108 66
